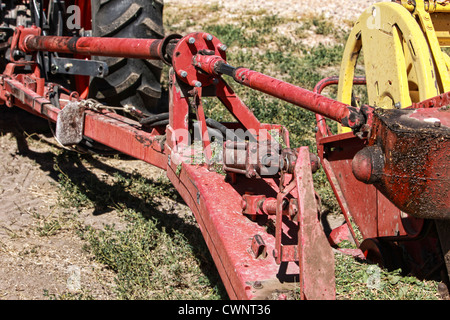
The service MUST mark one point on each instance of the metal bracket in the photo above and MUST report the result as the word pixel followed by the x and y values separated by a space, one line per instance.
pixel 80 67
pixel 70 124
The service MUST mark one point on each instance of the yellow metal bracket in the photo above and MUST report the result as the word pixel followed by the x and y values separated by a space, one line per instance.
pixel 403 62
pixel 422 12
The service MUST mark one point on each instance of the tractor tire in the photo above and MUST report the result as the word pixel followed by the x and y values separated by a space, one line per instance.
pixel 132 82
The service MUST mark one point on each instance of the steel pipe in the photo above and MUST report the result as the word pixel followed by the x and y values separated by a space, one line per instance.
pixel 154 49
pixel 95 46
pixel 345 114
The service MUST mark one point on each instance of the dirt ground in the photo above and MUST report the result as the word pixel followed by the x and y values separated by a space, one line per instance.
pixel 337 10
pixel 31 263
pixel 36 265
pixel 33 266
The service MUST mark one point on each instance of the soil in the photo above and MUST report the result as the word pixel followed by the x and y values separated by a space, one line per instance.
pixel 339 11
pixel 35 266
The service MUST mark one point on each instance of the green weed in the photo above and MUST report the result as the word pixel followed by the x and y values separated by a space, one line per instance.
pixel 152 262
pixel 162 256
pixel 158 255
pixel 361 281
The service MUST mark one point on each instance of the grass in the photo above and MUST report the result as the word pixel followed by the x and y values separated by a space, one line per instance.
pixel 360 281
pixel 255 42
pixel 158 255
pixel 151 261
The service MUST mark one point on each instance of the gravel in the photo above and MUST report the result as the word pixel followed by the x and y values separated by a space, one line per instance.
pixel 337 10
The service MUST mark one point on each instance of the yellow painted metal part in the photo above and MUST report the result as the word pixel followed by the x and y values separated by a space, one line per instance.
pixel 441 22
pixel 424 19
pixel 403 60
pixel 430 6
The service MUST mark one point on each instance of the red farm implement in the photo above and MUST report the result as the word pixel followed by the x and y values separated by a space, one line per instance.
pixel 388 166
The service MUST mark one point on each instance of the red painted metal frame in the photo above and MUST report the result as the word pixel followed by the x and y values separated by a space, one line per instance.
pixel 365 207
pixel 297 251
pixel 216 203
pixel 359 201
pixel 112 47
pixel 217 206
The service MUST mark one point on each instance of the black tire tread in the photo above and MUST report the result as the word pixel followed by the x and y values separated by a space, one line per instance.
pixel 126 18
pixel 130 81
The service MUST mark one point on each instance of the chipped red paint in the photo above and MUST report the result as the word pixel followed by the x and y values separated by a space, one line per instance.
pixel 393 167
pixel 354 166
pixel 418 166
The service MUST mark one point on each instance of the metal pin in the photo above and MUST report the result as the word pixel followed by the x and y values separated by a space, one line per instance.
pixel 183 74
pixel 191 40
pixel 54 69
pixel 207 37
pixel 67 66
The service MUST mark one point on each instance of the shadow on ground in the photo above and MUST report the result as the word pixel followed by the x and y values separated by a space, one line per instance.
pixel 99 193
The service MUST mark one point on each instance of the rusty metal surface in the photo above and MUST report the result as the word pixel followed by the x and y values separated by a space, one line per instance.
pixel 233 210
pixel 228 233
pixel 70 124
pixel 96 46
pixel 416 171
pixel 124 134
pixel 316 258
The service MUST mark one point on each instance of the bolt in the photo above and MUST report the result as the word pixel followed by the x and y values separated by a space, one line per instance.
pixel 443 290
pixel 251 174
pixel 183 74
pixel 67 66
pixel 191 40
pixel 196 83
pixel 54 69
pixel 257 284
pixel 223 47
pixel 207 37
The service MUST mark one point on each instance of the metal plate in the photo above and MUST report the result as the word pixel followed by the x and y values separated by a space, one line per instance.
pixel 80 67
pixel 70 124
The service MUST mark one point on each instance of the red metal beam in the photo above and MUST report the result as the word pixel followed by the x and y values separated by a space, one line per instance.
pixel 315 254
pixel 95 46
pixel 343 113
pixel 124 134
pixel 118 132
pixel 217 207
pixel 216 204
pixel 29 40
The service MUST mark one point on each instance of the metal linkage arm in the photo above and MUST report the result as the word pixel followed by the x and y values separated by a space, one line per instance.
pixel 156 49
pixel 347 115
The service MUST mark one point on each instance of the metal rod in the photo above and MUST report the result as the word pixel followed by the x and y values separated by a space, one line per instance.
pixel 346 115
pixel 343 113
pixel 96 46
